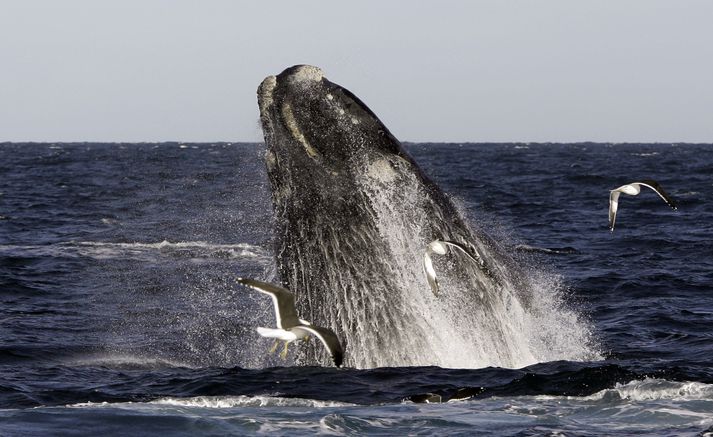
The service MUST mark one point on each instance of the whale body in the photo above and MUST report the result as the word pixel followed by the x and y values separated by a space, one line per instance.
pixel 353 216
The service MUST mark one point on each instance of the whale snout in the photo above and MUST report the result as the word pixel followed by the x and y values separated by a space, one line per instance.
pixel 298 80
pixel 265 93
pixel 298 75
pixel 302 73
pixel 310 120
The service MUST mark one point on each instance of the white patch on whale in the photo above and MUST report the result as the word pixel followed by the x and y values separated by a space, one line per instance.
pixel 297 134
pixel 306 73
pixel 381 171
pixel 265 92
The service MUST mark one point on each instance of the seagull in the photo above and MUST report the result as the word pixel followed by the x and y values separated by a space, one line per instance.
pixel 290 327
pixel 441 247
pixel 633 189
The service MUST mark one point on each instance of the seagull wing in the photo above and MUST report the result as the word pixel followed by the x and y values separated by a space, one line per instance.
pixel 465 251
pixel 437 246
pixel 613 206
pixel 430 272
pixel 650 183
pixel 282 298
pixel 329 340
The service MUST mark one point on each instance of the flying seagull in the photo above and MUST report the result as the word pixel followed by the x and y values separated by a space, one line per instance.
pixel 289 326
pixel 441 247
pixel 633 189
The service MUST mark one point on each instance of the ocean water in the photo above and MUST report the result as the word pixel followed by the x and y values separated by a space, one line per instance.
pixel 120 313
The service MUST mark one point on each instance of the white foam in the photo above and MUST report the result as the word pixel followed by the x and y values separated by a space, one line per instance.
pixel 657 389
pixel 246 401
pixel 650 407
pixel 126 360
pixel 528 248
pixel 218 402
pixel 109 221
pixel 139 251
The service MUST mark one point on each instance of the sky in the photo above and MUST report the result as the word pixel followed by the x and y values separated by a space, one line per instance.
pixel 478 71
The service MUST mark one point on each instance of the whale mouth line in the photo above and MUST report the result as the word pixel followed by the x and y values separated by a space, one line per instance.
pixel 291 123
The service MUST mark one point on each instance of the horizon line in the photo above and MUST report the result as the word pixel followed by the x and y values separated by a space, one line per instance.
pixel 409 142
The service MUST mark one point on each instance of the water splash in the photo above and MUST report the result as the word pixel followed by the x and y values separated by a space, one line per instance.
pixel 517 319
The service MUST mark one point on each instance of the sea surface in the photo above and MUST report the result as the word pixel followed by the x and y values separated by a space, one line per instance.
pixel 120 314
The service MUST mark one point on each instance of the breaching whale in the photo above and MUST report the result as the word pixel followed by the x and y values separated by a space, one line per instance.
pixel 353 216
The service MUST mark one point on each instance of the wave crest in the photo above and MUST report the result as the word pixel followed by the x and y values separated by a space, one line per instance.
pixel 656 389
pixel 138 251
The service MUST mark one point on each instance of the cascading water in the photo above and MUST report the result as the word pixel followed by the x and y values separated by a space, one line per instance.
pixel 473 322
pixel 364 279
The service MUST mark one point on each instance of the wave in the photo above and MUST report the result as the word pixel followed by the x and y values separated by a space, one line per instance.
pixel 247 401
pixel 637 390
pixel 219 402
pixel 138 251
pixel 618 407
pixel 651 389
pixel 127 362
pixel 552 250
pixel 249 415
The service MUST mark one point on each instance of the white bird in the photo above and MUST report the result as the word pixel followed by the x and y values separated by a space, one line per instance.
pixel 633 189
pixel 441 247
pixel 290 327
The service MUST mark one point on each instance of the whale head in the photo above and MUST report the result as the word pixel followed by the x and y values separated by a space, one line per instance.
pixel 318 127
pixel 353 217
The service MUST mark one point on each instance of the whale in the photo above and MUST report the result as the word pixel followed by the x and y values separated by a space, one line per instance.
pixel 353 214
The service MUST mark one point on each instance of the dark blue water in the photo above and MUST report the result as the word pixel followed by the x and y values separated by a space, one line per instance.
pixel 120 313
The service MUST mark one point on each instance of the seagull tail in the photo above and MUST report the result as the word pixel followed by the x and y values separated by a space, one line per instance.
pixel 269 332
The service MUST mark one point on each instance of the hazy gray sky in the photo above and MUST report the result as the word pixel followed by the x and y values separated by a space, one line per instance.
pixel 154 70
